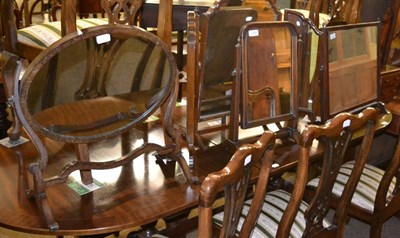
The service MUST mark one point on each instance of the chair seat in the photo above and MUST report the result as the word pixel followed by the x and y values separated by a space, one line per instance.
pixel 366 190
pixel 43 35
pixel 275 203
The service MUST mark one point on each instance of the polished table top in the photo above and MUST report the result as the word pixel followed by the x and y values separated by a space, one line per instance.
pixel 129 194
pixel 132 195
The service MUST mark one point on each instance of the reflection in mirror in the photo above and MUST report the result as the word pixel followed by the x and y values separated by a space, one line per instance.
pixel 98 84
pixel 268 72
pixel 353 66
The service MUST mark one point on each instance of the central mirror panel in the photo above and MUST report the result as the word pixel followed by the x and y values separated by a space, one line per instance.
pixel 97 84
pixel 268 73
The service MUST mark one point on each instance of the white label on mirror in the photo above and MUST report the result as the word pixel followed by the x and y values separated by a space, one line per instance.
pixel 103 38
pixel 346 123
pixel 332 36
pixel 253 33
pixel 247 160
pixel 275 165
pixel 249 18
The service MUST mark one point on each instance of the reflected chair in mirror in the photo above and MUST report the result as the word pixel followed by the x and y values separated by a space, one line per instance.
pixel 212 37
pixel 89 88
pixel 376 197
pixel 279 213
pixel 265 85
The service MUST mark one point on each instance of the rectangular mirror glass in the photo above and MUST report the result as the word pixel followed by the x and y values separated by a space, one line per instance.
pixel 353 68
pixel 268 73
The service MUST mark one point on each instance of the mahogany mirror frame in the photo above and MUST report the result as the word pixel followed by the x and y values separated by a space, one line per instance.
pixel 292 114
pixel 326 110
pixel 53 50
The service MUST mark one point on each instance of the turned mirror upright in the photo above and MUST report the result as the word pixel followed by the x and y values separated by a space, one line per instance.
pixel 91 87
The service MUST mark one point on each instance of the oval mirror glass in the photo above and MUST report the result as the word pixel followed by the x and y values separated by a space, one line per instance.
pixel 96 84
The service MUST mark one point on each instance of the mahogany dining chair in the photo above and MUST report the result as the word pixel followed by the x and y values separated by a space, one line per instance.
pixel 279 213
pixel 376 195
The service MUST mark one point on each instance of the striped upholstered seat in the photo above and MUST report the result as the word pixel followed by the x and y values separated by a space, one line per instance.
pixel 275 203
pixel 43 35
pixel 367 187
